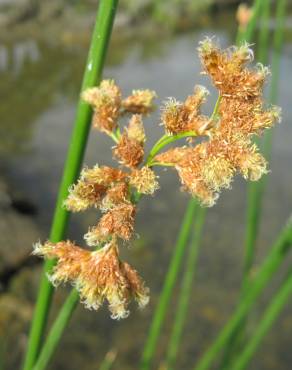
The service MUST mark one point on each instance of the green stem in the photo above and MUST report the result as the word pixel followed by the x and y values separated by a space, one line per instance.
pixel 170 279
pixel 270 315
pixel 278 252
pixel 165 140
pixel 92 76
pixel 185 291
pixel 256 190
pixel 277 46
pixel 56 331
pixel 108 361
pixel 216 108
pixel 168 139
pixel 245 35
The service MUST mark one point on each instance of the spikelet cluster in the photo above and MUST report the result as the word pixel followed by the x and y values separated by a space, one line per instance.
pixel 204 168
pixel 98 276
pixel 108 105
pixel 180 117
pixel 140 102
pixel 243 16
pixel 106 101
pixel 208 167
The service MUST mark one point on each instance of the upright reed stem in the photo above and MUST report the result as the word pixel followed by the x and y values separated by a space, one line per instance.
pixel 270 315
pixel 175 263
pixel 246 35
pixel 56 331
pixel 185 290
pixel 254 198
pixel 169 282
pixel 92 75
pixel 272 262
pixel 255 190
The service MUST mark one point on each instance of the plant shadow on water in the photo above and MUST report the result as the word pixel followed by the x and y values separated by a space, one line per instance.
pixel 43 82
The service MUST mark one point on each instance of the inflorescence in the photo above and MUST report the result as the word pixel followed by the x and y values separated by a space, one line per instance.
pixel 204 168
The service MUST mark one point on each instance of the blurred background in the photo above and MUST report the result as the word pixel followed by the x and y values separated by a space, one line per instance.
pixel 43 48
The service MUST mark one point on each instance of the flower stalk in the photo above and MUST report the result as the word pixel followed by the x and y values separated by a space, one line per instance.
pixel 92 75
pixel 273 261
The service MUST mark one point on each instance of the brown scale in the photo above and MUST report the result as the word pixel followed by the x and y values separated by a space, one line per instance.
pixel 129 152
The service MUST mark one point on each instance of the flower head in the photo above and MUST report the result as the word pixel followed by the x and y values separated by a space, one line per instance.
pixel 129 151
pixel 118 221
pixel 135 129
pixel 84 195
pixel 140 102
pixel 70 259
pixel 98 276
pixel 103 175
pixel 144 180
pixel 92 187
pixel 211 165
pixel 243 15
pixel 180 117
pixel 118 194
pixel 106 102
pixel 226 69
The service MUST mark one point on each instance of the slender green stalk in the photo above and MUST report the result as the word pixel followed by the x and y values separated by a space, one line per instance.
pixel 277 49
pixel 169 282
pixel 186 289
pixel 216 108
pixel 108 361
pixel 165 140
pixel 256 190
pixel 171 276
pixel 270 315
pixel 276 256
pixel 92 75
pixel 56 331
pixel 245 35
pixel 277 46
pixel 263 39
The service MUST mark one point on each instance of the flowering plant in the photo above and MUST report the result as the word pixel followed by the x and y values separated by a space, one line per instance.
pixel 204 168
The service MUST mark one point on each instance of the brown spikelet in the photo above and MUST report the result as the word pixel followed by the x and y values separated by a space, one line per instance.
pixel 103 175
pixel 106 102
pixel 144 180
pixel 118 221
pixel 70 258
pixel 84 195
pixel 140 102
pixel 182 117
pixel 243 16
pixel 139 291
pixel 98 276
pixel 118 194
pixel 226 69
pixel 172 156
pixel 135 129
pixel 129 152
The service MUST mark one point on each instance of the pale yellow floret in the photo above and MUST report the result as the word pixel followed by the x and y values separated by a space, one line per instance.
pixel 144 97
pixel 135 129
pixel 217 173
pixel 144 180
pixel 253 166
